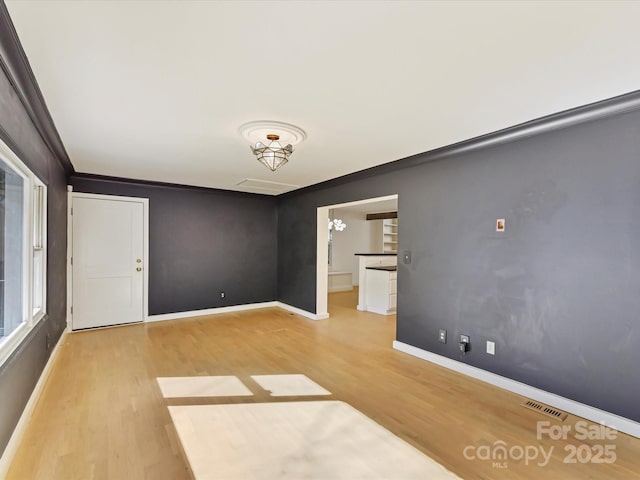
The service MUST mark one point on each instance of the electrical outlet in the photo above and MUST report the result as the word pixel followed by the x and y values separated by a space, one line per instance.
pixel 222 294
pixel 465 344
pixel 491 348
pixel 442 336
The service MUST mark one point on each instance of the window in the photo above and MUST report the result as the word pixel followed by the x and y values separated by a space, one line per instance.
pixel 39 265
pixel 23 255
pixel 11 255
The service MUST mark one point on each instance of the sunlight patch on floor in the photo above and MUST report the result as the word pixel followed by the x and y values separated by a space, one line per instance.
pixel 294 440
pixel 219 386
pixel 289 385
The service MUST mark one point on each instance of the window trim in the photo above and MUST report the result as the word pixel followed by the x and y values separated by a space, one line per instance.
pixel 9 343
pixel 37 315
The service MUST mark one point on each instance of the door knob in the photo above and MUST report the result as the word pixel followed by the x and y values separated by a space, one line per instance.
pixel 139 269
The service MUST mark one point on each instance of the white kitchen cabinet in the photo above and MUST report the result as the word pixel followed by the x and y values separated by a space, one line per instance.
pixel 371 260
pixel 381 290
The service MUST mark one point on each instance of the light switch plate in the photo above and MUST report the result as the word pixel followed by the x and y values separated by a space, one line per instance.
pixel 491 348
pixel 406 256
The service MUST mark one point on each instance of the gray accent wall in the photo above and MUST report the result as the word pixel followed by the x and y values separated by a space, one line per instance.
pixel 202 242
pixel 558 291
pixel 20 373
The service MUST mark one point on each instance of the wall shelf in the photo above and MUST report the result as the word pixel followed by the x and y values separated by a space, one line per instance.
pixel 390 235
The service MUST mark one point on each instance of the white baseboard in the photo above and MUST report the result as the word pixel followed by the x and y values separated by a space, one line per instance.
pixel 576 408
pixel 304 313
pixel 388 311
pixel 234 308
pixel 18 432
pixel 209 311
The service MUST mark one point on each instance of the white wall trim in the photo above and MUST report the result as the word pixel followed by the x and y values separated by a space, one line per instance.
pixel 69 255
pixel 304 313
pixel 341 289
pixel 576 408
pixel 234 308
pixel 322 252
pixel 209 311
pixel 322 262
pixel 147 260
pixel 18 432
pixel 24 299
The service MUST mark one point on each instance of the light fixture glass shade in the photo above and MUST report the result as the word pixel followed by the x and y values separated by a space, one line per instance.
pixel 273 155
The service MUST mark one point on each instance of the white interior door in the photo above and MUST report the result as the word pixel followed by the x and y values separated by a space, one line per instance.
pixel 107 261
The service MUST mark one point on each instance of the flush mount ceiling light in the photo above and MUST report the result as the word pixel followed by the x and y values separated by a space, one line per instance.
pixel 272 155
pixel 267 138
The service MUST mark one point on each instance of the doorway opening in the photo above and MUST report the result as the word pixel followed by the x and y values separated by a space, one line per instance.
pixel 339 268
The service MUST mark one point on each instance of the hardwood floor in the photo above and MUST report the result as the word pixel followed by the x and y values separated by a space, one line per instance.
pixel 102 415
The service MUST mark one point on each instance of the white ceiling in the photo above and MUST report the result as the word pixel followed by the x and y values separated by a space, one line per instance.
pixel 157 90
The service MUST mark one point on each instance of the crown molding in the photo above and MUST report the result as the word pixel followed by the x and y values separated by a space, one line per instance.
pixel 14 63
pixel 79 176
pixel 556 121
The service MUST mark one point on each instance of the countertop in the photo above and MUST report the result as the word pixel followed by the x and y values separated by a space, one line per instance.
pixel 390 268
pixel 377 254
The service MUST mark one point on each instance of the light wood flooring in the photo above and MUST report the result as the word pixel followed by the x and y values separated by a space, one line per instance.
pixel 102 415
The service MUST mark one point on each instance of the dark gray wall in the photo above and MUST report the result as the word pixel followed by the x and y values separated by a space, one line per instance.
pixel 19 374
pixel 201 242
pixel 557 292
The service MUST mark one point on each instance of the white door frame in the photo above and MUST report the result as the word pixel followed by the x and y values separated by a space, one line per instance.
pixel 322 254
pixel 145 240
